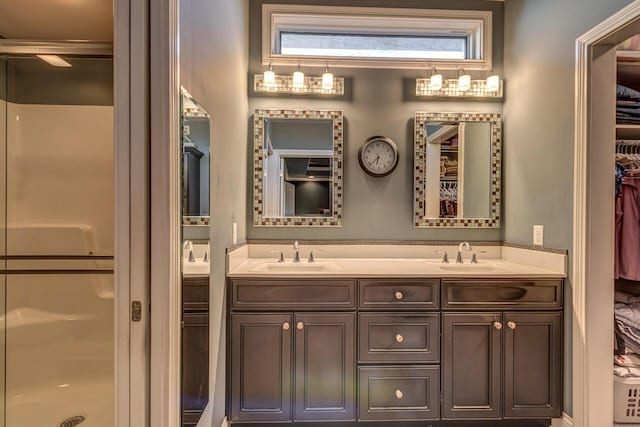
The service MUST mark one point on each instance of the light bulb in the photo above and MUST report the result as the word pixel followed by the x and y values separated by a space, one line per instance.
pixel 464 82
pixel 269 79
pixel 493 83
pixel 327 81
pixel 298 80
pixel 435 82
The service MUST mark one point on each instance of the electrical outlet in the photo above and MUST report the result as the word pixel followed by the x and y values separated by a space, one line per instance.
pixel 538 235
pixel 234 233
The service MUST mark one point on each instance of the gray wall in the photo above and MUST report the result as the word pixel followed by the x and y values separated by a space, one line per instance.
pixel 311 196
pixel 302 135
pixel 213 60
pixel 540 38
pixel 477 170
pixel 378 102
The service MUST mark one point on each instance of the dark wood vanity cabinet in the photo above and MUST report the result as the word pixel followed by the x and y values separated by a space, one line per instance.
pixel 502 364
pixel 195 348
pixel 394 350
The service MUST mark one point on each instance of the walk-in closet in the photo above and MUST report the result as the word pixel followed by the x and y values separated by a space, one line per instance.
pixel 627 235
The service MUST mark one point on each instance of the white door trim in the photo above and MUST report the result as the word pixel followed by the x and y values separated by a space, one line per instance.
pixel 131 152
pixel 166 217
pixel 588 403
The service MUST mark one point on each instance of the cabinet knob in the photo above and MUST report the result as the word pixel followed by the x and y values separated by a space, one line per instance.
pixel 512 325
pixel 399 394
pixel 497 325
pixel 286 326
pixel 300 326
pixel 399 295
pixel 399 338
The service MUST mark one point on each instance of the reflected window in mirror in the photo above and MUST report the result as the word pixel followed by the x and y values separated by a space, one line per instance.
pixel 298 168
pixel 196 161
pixel 457 170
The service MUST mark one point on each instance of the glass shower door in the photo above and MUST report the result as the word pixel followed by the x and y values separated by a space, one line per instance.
pixel 57 213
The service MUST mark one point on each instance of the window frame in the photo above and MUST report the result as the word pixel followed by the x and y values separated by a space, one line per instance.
pixel 477 25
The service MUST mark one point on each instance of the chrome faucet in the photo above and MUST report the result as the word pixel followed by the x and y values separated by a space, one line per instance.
pixel 296 253
pixel 188 245
pixel 460 246
pixel 445 256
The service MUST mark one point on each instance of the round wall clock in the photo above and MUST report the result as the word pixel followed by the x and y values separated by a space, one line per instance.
pixel 378 156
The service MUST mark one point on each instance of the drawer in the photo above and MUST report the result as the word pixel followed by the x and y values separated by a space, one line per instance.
pixel 195 293
pixel 401 294
pixel 302 294
pixel 392 337
pixel 502 294
pixel 399 393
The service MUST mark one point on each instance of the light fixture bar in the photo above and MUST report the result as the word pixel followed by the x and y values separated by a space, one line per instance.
pixel 313 85
pixel 450 89
pixel 54 60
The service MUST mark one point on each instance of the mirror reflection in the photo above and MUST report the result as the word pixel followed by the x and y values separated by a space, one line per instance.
pixel 457 170
pixel 298 168
pixel 195 158
pixel 458 177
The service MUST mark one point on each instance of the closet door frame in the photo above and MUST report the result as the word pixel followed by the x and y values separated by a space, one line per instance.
pixel 593 216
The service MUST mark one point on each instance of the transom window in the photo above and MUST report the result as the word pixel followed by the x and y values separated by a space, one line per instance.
pixel 376 37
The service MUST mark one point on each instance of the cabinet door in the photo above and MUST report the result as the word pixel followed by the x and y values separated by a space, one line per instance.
pixel 533 365
pixel 261 367
pixel 195 365
pixel 472 366
pixel 325 367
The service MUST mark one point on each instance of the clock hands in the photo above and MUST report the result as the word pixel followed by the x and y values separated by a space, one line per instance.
pixel 377 160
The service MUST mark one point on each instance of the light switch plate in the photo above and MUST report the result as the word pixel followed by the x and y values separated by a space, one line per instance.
pixel 538 235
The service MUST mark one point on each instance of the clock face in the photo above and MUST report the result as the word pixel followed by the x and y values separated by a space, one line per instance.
pixel 378 156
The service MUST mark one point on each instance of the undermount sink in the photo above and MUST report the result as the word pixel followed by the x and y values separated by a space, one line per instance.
pixel 198 267
pixel 302 267
pixel 468 268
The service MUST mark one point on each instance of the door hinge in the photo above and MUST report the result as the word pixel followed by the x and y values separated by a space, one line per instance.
pixel 136 311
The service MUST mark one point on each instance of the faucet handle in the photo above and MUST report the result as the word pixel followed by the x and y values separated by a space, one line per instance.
pixel 206 256
pixel 474 256
pixel 296 245
pixel 281 258
pixel 192 258
pixel 445 256
pixel 312 257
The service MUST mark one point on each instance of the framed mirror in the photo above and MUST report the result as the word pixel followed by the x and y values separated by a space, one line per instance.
pixel 297 171
pixel 458 159
pixel 196 161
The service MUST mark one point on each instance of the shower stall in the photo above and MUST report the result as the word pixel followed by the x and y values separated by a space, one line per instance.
pixel 56 234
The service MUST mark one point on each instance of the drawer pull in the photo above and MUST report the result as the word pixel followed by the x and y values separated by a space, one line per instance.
pixel 300 326
pixel 399 338
pixel 512 325
pixel 399 296
pixel 286 326
pixel 399 394
pixel 497 325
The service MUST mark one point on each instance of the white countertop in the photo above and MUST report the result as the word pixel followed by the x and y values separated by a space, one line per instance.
pixel 389 268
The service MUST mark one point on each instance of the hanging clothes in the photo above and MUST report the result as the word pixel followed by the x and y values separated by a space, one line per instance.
pixel 628 230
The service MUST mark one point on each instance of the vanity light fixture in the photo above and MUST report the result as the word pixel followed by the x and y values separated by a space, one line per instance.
pixel 54 60
pixel 464 82
pixel 493 83
pixel 327 80
pixel 435 81
pixel 269 78
pixel 298 80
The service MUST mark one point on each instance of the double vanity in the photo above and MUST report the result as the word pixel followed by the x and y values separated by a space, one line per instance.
pixel 355 337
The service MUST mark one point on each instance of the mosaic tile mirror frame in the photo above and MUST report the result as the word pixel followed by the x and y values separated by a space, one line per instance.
pixel 421 220
pixel 260 118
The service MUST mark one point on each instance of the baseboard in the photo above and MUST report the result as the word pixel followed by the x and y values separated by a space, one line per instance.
pixel 567 421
